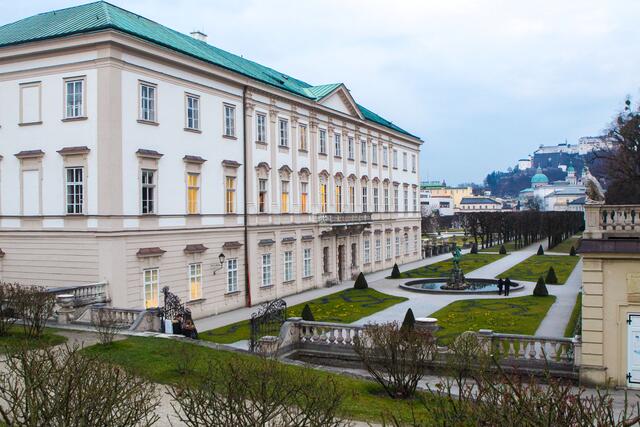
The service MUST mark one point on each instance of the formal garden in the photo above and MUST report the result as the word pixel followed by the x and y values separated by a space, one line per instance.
pixel 468 263
pixel 537 266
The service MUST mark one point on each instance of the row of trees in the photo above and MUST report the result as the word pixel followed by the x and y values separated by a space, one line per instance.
pixel 523 228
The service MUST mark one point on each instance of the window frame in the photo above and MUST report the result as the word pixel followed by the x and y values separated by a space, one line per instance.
pixel 261 128
pixel 283 132
pixel 322 141
pixel 192 107
pixel 232 275
pixel 288 273
pixel 303 138
pixel 266 271
pixel 75 184
pixel 151 115
pixel 337 145
pixel 307 263
pixel 191 189
pixel 230 195
pixel 151 282
pixel 153 191
pixel 228 120
pixel 192 276
pixel 71 80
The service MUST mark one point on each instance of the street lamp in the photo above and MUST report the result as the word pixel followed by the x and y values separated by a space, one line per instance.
pixel 221 258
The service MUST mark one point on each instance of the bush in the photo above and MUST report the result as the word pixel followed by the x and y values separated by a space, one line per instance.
pixel 503 250
pixel 8 293
pixel 474 248
pixel 572 252
pixel 395 272
pixel 551 278
pixel 540 250
pixel 541 289
pixel 258 392
pixel 106 324
pixel 361 282
pixel 185 359
pixel 34 305
pixel 409 321
pixel 396 360
pixel 64 387
pixel 307 314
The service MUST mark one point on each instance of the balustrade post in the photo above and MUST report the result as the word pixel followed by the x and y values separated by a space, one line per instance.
pixel 485 336
pixel 577 351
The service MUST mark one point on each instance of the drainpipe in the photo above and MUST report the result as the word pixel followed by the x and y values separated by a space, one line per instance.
pixel 246 229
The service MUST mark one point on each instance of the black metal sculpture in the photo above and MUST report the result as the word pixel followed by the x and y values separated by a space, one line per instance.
pixel 267 321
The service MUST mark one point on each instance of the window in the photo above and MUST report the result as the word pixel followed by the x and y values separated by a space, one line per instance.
pixel 338 197
pixel 31 103
pixel 284 197
pixel 147 102
pixel 230 194
pixel 374 153
pixel 288 266
pixel 73 98
pixel 262 195
pixel 323 197
pixel 354 255
pixel 363 150
pixel 303 137
pixel 378 250
pixel 350 150
pixel 306 262
pixel 406 200
pixel 148 191
pixel 323 141
pixel 413 163
pixel 397 245
pixel 325 259
pixel 229 120
pixel 415 199
pixel 151 287
pixel 303 196
pixel 337 139
pixel 415 242
pixel 375 199
pixel 283 126
pixel 406 244
pixel 386 200
pixel 195 281
pixel 266 269
pixel 193 193
pixel 193 112
pixel 261 127
pixel 395 159
pixel 388 249
pixel 385 156
pixel 395 198
pixel 75 190
pixel 232 275
pixel 366 253
pixel 404 161
pixel 364 198
pixel 352 197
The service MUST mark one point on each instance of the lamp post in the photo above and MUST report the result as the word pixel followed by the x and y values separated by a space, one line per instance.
pixel 221 258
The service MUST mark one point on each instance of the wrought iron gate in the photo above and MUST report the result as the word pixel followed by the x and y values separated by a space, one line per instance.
pixel 267 321
pixel 173 307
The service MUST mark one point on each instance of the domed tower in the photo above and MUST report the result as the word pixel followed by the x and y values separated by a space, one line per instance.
pixel 571 175
pixel 539 179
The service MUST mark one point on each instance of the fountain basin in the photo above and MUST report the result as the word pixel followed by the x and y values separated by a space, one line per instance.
pixel 476 286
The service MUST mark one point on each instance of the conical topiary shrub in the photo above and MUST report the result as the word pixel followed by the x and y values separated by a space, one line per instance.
pixel 503 250
pixel 361 282
pixel 572 252
pixel 541 289
pixel 540 250
pixel 551 278
pixel 307 314
pixel 474 248
pixel 409 321
pixel 395 272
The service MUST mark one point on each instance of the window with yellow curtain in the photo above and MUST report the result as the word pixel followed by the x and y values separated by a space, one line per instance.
pixel 195 281
pixel 151 287
pixel 193 189
pixel 303 197
pixel 323 197
pixel 230 194
pixel 338 198
pixel 284 198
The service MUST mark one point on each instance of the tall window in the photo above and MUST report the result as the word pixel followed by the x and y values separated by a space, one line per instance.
pixel 404 161
pixel 413 163
pixel 147 102
pixel 193 193
pixel 385 156
pixel 397 245
pixel 386 200
pixel 306 262
pixel 75 190
pixel 230 194
pixel 323 142
pixel 375 199
pixel 352 197
pixel 261 127
pixel 395 159
pixel 303 137
pixel 148 191
pixel 288 266
pixel 354 255
pixel 284 197
pixel 363 150
pixel 304 192
pixel 151 287
pixel 338 197
pixel 337 139
pixel 415 199
pixel 406 244
pixel 396 195
pixel 415 242
pixel 266 269
pixel 195 281
pixel 365 201
pixel 323 197
pixel 193 112
pixel 73 98
pixel 374 153
pixel 378 250
pixel 350 150
pixel 325 259
pixel 388 249
pixel 283 126
pixel 232 275
pixel 366 252
pixel 229 120
pixel 262 195
pixel 406 200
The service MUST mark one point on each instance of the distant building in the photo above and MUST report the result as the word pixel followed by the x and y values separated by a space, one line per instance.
pixel 440 189
pixel 430 204
pixel 555 196
pixel 524 164
pixel 479 204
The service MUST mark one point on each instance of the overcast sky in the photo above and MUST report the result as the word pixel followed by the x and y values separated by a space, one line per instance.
pixel 482 82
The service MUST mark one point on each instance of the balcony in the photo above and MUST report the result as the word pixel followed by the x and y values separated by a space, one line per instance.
pixel 344 218
pixel 611 229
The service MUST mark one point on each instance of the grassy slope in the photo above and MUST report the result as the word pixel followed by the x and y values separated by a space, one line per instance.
pixel 468 263
pixel 345 306
pixel 520 315
pixel 16 340
pixel 575 316
pixel 564 247
pixel 538 265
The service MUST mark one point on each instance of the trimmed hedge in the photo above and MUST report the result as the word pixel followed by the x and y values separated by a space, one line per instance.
pixel 395 272
pixel 540 250
pixel 503 250
pixel 361 282
pixel 307 314
pixel 551 278
pixel 541 289
pixel 409 321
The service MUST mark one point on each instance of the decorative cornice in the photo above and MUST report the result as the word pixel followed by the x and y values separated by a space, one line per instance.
pixel 266 242
pixel 231 245
pixel 150 154
pixel 194 159
pixel 231 164
pixel 197 248
pixel 288 240
pixel 307 238
pixel 29 154
pixel 70 151
pixel 150 252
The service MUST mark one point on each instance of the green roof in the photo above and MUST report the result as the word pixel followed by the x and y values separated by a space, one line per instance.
pixel 101 15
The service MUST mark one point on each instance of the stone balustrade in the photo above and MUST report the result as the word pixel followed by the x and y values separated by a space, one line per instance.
pixel 123 316
pixel 329 334
pixel 604 221
pixel 344 218
pixel 85 294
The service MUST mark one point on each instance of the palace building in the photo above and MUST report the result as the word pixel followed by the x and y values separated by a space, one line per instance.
pixel 138 156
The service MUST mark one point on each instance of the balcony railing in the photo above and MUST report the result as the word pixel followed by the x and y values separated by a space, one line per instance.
pixel 605 221
pixel 344 218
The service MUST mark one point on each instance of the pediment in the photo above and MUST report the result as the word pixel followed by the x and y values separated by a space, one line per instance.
pixel 340 100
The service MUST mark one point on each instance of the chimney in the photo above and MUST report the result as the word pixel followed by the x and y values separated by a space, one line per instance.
pixel 199 35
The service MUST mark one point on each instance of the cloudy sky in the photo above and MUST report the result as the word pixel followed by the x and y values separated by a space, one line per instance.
pixel 482 82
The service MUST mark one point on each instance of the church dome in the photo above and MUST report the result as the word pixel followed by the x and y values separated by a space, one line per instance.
pixel 539 178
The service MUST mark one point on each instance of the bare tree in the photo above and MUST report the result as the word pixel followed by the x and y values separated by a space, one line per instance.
pixel 34 305
pixel 7 307
pixel 107 325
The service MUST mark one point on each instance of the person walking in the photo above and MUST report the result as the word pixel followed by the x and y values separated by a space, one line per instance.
pixel 507 287
pixel 500 286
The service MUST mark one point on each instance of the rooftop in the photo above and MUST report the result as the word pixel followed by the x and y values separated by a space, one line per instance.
pixel 478 201
pixel 99 16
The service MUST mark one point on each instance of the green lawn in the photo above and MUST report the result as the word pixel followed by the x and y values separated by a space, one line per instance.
pixel 520 315
pixel 16 340
pixel 345 306
pixel 154 359
pixel 538 265
pixel 564 247
pixel 468 263
pixel 576 313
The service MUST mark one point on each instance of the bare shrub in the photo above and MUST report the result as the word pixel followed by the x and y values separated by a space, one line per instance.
pixel 64 387
pixel 107 325
pixel 7 307
pixel 258 392
pixel 395 357
pixel 185 358
pixel 34 305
